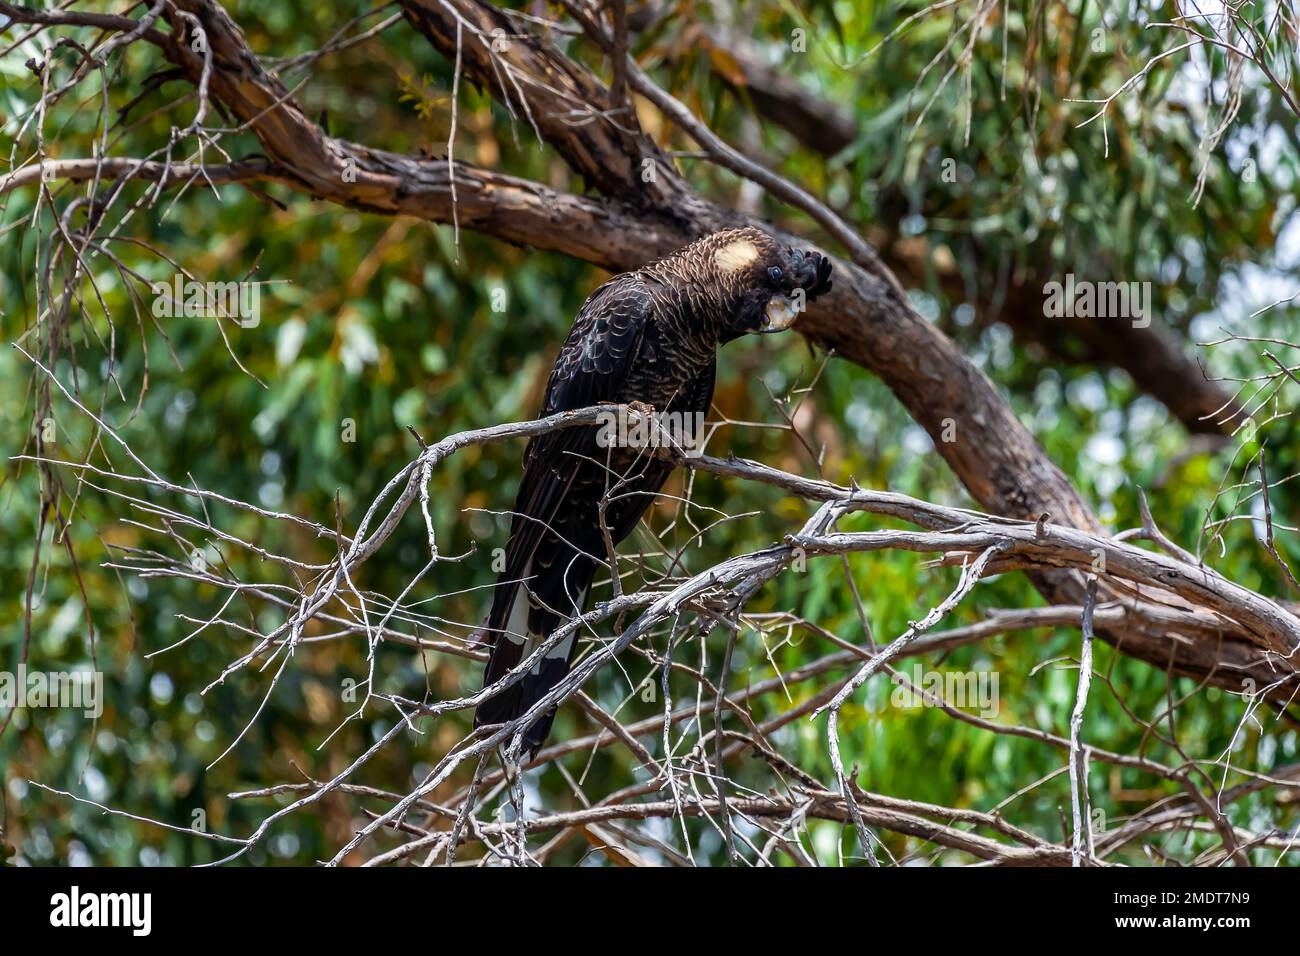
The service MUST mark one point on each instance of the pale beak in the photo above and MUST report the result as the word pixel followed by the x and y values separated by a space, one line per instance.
pixel 779 315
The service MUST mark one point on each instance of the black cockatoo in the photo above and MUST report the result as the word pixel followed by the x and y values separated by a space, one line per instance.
pixel 648 336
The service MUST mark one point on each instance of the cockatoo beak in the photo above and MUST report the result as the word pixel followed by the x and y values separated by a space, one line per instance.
pixel 779 315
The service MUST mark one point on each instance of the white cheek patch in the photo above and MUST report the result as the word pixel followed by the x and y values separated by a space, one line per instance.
pixel 781 313
pixel 735 256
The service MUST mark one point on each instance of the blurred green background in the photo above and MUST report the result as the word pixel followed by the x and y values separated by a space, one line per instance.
pixel 388 324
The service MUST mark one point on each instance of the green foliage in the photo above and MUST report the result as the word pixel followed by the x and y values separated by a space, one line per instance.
pixel 381 325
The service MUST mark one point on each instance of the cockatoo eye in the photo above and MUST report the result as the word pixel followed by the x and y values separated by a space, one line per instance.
pixel 775 273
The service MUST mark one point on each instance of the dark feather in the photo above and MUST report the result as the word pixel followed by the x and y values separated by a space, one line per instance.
pixel 648 336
